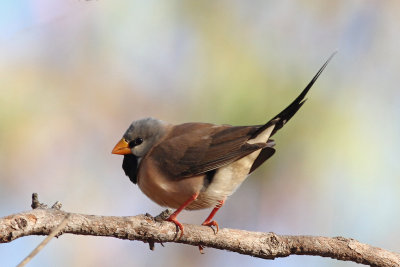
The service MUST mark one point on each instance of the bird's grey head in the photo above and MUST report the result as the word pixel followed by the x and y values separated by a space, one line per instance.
pixel 143 134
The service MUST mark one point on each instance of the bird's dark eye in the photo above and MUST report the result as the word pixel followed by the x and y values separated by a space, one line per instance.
pixel 135 142
pixel 138 141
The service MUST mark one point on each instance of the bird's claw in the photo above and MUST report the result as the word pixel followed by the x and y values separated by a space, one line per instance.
pixel 173 219
pixel 201 249
pixel 211 224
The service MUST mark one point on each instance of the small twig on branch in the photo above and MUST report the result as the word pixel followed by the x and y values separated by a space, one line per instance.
pixel 36 203
pixel 145 228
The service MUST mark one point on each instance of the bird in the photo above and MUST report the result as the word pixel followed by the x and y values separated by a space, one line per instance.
pixel 195 165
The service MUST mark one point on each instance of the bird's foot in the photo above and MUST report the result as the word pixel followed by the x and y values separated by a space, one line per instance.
pixel 201 249
pixel 173 219
pixel 211 224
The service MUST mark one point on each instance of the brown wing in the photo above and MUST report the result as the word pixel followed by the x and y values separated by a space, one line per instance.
pixel 194 148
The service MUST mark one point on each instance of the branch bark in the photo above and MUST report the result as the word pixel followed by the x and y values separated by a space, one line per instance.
pixel 42 220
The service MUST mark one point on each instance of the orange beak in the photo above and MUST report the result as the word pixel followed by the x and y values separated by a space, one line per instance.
pixel 122 148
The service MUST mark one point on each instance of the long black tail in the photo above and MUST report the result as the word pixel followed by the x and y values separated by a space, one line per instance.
pixel 282 118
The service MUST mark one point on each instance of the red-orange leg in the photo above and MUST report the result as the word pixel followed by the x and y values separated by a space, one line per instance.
pixel 172 217
pixel 209 222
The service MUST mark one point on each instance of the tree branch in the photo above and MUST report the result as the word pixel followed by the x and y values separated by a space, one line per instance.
pixel 42 220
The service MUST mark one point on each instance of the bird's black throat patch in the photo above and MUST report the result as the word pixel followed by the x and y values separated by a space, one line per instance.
pixel 130 166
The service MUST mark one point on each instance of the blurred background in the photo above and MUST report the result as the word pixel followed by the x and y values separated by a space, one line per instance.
pixel 74 74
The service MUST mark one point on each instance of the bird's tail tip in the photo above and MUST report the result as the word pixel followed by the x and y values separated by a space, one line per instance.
pixel 285 115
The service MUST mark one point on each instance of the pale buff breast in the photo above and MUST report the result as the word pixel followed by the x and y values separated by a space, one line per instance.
pixel 164 190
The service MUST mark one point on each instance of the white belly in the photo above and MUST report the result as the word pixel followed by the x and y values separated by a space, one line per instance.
pixel 228 178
